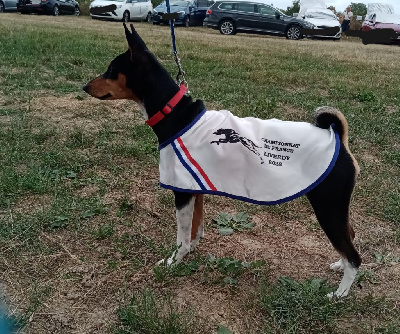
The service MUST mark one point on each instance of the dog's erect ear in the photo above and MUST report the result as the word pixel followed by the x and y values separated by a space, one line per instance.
pixel 134 40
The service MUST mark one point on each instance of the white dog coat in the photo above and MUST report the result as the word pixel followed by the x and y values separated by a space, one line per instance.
pixel 258 161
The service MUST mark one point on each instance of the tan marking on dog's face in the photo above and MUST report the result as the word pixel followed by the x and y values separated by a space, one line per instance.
pixel 108 89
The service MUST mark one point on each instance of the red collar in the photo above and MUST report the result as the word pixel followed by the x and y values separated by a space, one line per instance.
pixel 168 107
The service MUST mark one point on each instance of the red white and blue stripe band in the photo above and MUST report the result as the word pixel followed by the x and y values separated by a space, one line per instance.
pixel 192 165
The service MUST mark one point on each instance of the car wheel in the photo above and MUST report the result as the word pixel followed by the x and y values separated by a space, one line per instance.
pixel 293 32
pixel 227 27
pixel 2 8
pixel 77 12
pixel 148 18
pixel 126 16
pixel 56 11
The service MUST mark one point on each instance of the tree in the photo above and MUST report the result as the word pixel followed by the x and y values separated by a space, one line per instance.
pixel 358 9
pixel 295 8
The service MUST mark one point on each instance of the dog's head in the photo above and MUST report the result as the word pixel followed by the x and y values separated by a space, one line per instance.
pixel 135 74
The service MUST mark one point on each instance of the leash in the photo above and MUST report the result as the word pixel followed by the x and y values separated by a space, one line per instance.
pixel 180 78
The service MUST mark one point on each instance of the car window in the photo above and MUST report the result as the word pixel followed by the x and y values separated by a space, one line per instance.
pixel 246 7
pixel 265 10
pixel 228 6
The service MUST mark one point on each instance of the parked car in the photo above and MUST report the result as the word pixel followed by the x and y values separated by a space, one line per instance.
pixel 381 17
pixel 52 7
pixel 8 5
pixel 191 12
pixel 232 16
pixel 124 10
pixel 326 23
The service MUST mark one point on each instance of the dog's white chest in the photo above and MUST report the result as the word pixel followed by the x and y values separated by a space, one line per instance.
pixel 259 161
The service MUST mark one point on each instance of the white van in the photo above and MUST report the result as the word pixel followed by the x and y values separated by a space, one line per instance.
pixel 121 10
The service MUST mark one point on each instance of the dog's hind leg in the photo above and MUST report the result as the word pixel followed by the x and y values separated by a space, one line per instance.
pixel 339 265
pixel 330 201
pixel 197 222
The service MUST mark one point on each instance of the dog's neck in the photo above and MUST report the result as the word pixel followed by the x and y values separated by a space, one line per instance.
pixel 155 91
pixel 159 89
pixel 180 117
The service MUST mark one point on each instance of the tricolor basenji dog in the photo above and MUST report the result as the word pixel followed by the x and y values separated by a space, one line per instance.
pixel 137 75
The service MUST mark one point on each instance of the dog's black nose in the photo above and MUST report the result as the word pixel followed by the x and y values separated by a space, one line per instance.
pixel 85 88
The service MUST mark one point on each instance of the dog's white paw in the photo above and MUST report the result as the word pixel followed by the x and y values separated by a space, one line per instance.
pixel 330 295
pixel 339 293
pixel 171 261
pixel 337 266
pixel 174 259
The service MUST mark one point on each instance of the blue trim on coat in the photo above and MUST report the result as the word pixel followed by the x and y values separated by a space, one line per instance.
pixel 185 129
pixel 185 164
pixel 249 200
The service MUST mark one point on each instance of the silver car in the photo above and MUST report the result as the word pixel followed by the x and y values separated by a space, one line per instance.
pixel 8 5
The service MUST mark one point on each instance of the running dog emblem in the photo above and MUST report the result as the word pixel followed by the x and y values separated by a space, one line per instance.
pixel 231 136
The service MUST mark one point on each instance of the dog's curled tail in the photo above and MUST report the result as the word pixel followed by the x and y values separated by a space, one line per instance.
pixel 325 116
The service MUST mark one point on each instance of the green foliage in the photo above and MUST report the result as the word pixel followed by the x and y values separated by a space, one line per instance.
pixel 230 268
pixel 300 307
pixel 392 207
pixel 223 330
pixel 358 8
pixel 145 314
pixel 104 231
pixel 365 276
pixel 293 307
pixel 156 2
pixel 294 8
pixel 227 224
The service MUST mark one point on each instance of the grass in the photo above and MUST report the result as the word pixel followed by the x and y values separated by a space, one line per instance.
pixel 302 307
pixel 81 210
pixel 146 315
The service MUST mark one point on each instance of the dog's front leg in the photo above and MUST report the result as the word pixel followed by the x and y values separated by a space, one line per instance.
pixel 184 204
pixel 197 222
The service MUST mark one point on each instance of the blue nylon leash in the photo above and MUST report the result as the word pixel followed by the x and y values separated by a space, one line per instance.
pixel 171 26
pixel 180 78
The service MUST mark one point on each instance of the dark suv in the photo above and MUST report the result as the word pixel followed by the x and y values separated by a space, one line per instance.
pixel 52 7
pixel 232 16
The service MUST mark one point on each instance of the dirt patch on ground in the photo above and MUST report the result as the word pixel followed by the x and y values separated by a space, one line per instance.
pixel 70 112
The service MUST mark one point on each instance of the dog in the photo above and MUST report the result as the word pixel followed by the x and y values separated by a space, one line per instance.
pixel 137 75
